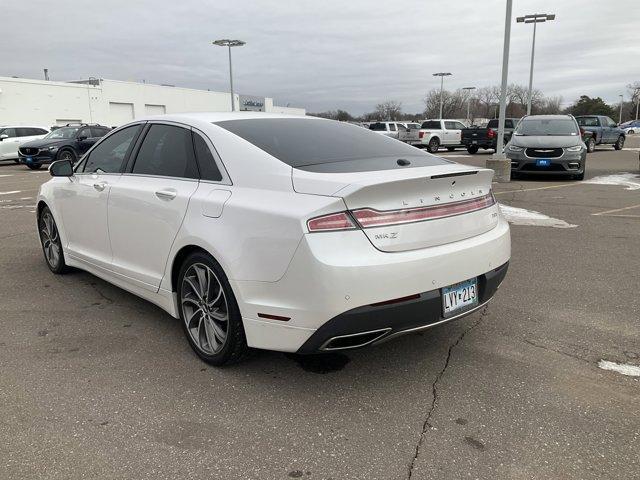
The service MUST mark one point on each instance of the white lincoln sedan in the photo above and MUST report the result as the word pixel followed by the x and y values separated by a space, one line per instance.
pixel 287 233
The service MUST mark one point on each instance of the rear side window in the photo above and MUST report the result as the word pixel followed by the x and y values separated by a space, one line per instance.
pixel 109 154
pixel 392 127
pixel 380 127
pixel 206 162
pixel 85 132
pixel 23 132
pixel 493 123
pixel 431 124
pixel 588 121
pixel 166 151
pixel 305 141
pixel 508 124
pixel 99 132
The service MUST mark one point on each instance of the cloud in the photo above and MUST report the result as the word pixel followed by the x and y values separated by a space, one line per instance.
pixel 326 55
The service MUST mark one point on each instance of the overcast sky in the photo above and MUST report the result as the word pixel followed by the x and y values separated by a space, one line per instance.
pixel 324 55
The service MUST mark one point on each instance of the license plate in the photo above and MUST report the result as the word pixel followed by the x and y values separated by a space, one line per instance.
pixel 29 159
pixel 474 142
pixel 543 162
pixel 459 297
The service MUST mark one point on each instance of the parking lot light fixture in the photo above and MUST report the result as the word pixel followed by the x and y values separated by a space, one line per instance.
pixel 535 18
pixel 468 89
pixel 225 42
pixel 499 163
pixel 441 75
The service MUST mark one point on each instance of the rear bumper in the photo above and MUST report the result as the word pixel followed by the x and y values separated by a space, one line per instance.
pixel 334 278
pixel 373 324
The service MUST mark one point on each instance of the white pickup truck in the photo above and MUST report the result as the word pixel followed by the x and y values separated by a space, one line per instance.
pixel 441 133
pixel 404 131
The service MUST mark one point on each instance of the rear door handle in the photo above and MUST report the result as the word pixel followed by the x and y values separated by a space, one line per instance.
pixel 100 186
pixel 166 194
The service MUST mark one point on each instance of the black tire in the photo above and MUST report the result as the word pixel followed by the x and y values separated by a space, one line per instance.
pixel 50 241
pixel 34 166
pixel 579 176
pixel 450 149
pixel 619 143
pixel 631 132
pixel 15 160
pixel 591 145
pixel 234 345
pixel 434 145
pixel 67 154
pixel 472 149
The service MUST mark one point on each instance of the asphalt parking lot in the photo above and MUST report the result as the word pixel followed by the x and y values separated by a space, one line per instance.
pixel 96 383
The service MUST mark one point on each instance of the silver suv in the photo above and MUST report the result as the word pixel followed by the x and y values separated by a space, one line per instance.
pixel 547 144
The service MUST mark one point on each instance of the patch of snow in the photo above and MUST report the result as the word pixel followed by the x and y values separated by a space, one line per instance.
pixel 622 368
pixel 629 180
pixel 521 216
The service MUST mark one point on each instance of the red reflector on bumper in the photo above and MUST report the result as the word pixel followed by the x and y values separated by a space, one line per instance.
pixel 396 300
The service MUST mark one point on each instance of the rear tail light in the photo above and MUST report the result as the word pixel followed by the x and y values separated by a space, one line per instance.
pixel 368 217
pixel 334 221
pixel 420 134
pixel 491 133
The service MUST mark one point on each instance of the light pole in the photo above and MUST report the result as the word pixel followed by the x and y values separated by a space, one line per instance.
pixel 621 101
pixel 441 75
pixel 468 89
pixel 637 94
pixel 499 163
pixel 230 43
pixel 536 18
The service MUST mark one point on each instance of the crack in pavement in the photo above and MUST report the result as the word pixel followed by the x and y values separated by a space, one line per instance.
pixel 434 390
pixel 549 349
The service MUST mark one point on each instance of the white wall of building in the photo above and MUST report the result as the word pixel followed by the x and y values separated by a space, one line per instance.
pixel 110 102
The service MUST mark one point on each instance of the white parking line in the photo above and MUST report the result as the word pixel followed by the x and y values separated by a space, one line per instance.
pixel 623 368
pixel 538 188
pixel 2 176
pixel 10 193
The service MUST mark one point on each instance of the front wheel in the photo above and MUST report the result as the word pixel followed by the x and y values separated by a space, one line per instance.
pixel 34 166
pixel 591 145
pixel 50 240
pixel 433 146
pixel 15 160
pixel 209 312
pixel 472 149
pixel 619 143
pixel 67 155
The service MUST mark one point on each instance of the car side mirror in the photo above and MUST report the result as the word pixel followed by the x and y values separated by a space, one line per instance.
pixel 61 168
pixel 3 136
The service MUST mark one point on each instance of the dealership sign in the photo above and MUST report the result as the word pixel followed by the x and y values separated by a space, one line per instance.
pixel 251 103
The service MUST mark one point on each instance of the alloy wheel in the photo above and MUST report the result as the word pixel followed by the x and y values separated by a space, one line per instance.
pixel 205 309
pixel 49 237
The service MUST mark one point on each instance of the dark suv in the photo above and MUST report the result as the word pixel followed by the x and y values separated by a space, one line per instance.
pixel 65 143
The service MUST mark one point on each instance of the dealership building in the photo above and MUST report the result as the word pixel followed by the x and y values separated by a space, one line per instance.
pixel 112 102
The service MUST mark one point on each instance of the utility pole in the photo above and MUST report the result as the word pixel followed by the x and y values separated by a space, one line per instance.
pixel 621 102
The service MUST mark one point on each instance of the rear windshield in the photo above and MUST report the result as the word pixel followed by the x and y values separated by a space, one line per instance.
pixel 431 124
pixel 587 121
pixel 546 126
pixel 303 142
pixel 378 126
pixel 493 123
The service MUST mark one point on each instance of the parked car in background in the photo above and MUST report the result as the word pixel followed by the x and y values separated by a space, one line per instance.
pixel 602 131
pixel 389 129
pixel 410 133
pixel 11 137
pixel 65 143
pixel 231 222
pixel 441 133
pixel 547 144
pixel 475 138
pixel 631 127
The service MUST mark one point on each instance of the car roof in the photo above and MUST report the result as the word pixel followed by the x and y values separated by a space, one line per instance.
pixel 24 126
pixel 212 117
pixel 547 117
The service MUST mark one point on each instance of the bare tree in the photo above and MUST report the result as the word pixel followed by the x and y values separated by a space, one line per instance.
pixel 453 104
pixel 389 110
